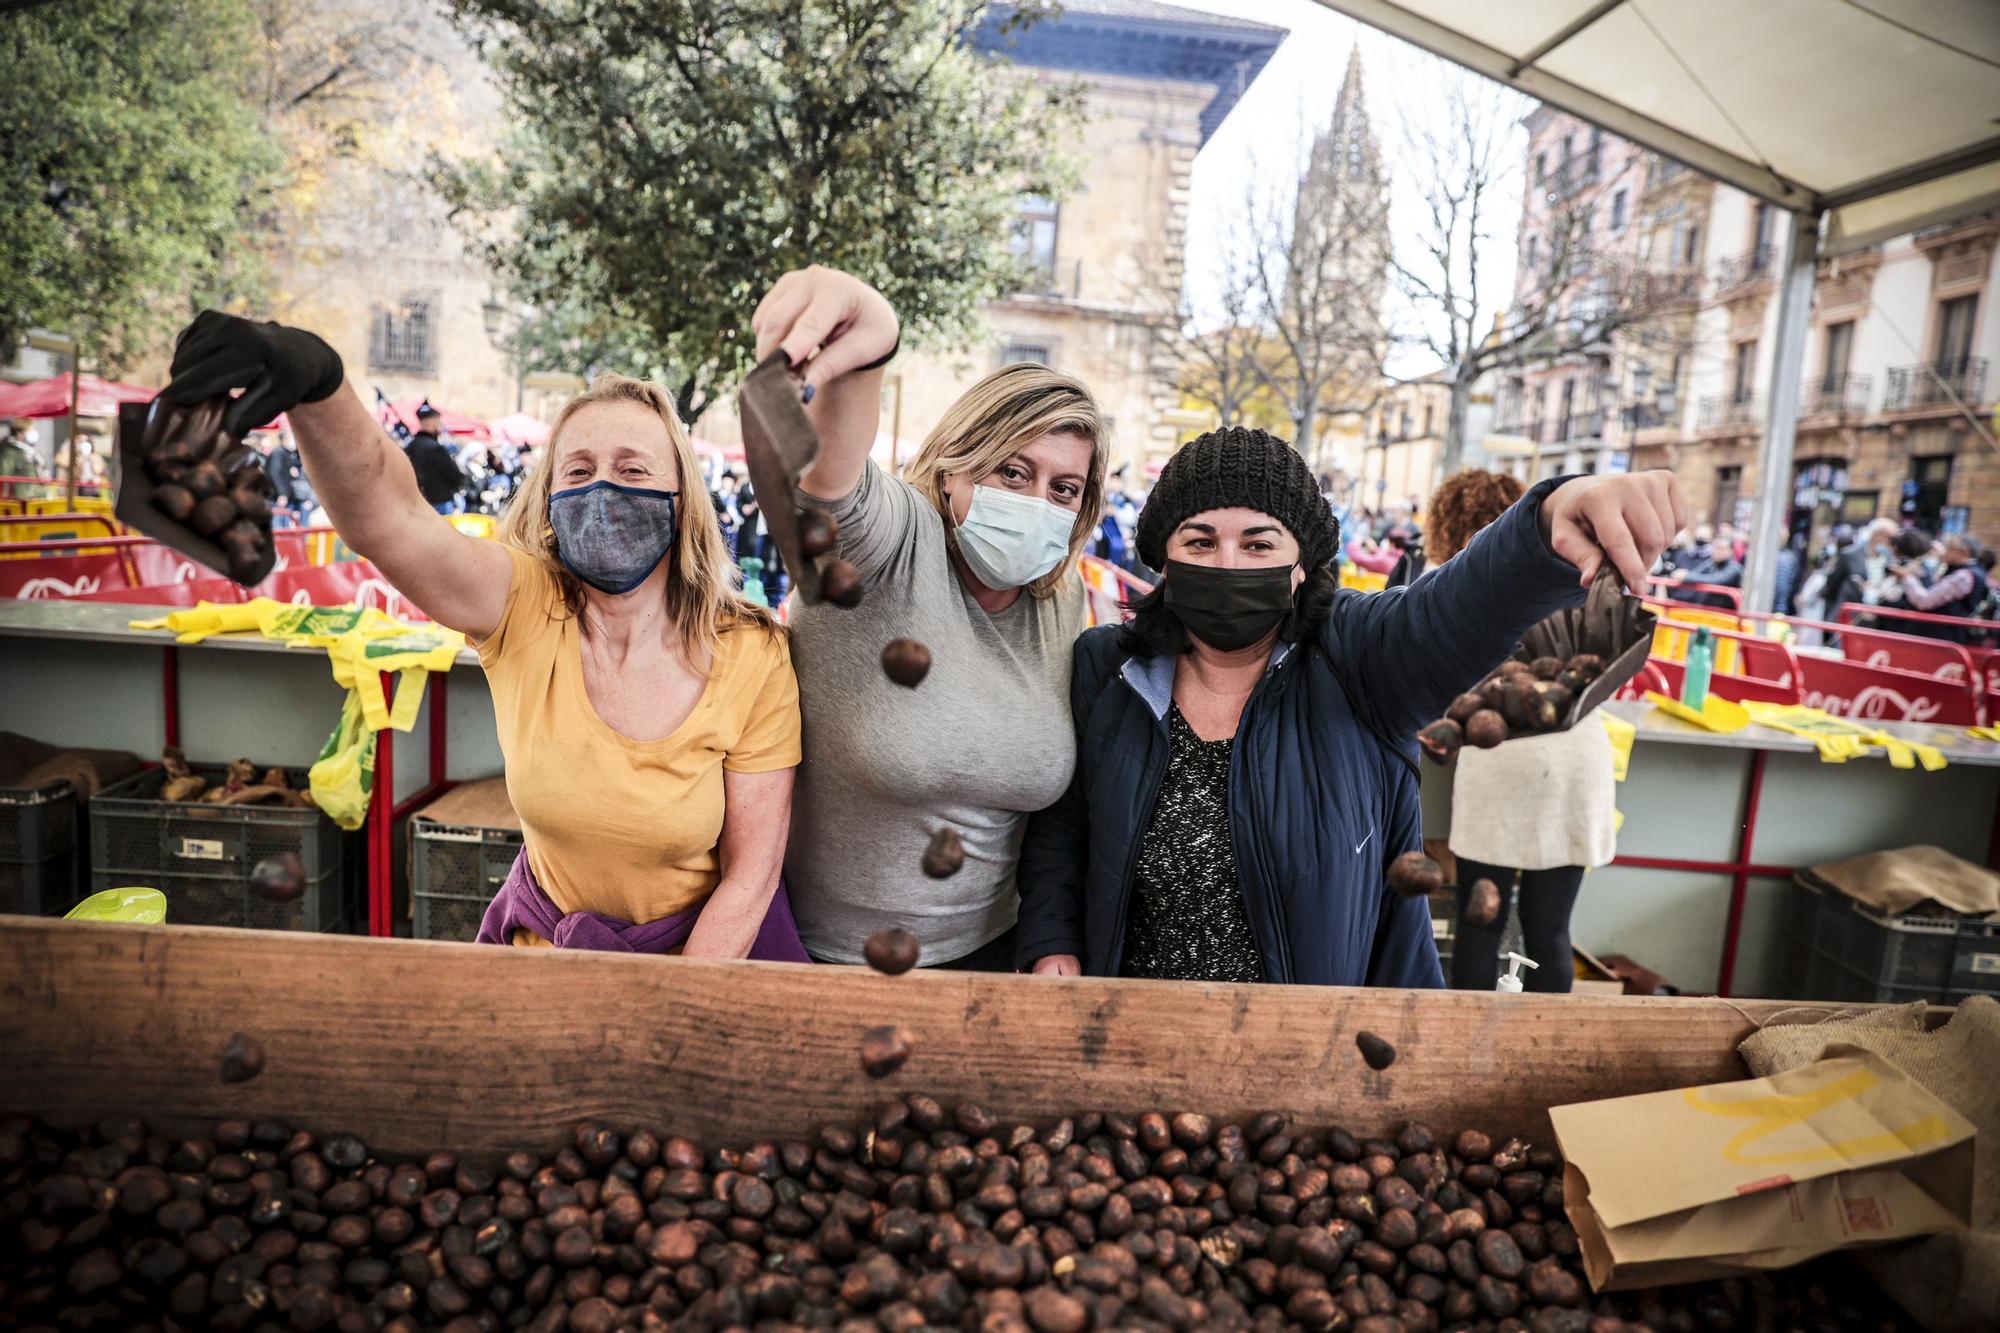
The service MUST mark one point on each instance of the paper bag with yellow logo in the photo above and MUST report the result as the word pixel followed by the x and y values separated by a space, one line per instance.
pixel 1740 1177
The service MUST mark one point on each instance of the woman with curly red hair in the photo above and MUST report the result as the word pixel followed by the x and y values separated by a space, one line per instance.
pixel 1534 812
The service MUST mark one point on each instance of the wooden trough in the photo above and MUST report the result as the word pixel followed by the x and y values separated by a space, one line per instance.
pixel 418 1045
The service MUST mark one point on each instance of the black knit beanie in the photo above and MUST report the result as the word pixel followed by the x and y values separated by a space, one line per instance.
pixel 1232 467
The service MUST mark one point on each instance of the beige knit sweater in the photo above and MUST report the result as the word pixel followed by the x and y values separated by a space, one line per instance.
pixel 1538 802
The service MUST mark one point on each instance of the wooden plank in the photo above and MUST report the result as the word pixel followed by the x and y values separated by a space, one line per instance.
pixel 419 1044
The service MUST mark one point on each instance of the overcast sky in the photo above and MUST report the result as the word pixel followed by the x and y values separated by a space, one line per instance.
pixel 1259 146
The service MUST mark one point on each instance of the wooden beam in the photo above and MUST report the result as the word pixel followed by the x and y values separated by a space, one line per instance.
pixel 414 1045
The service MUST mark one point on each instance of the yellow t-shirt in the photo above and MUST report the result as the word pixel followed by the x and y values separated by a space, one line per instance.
pixel 613 825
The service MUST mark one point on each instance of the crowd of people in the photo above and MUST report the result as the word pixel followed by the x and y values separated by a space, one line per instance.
pixel 1889 564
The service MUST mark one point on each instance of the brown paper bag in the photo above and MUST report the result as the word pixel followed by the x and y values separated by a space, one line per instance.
pixel 1738 1177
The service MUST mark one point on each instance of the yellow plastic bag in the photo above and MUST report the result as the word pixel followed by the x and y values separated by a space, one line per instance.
pixel 1838 739
pixel 343 777
pixel 140 906
pixel 205 618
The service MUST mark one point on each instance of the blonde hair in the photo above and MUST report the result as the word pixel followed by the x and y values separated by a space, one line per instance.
pixel 992 421
pixel 702 597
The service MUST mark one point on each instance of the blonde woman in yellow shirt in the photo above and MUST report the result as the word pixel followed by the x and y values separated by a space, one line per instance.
pixel 648 715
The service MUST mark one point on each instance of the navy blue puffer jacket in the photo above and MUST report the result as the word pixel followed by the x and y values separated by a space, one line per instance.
pixel 1318 806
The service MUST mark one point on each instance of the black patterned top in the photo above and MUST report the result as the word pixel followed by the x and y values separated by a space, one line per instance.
pixel 1187 920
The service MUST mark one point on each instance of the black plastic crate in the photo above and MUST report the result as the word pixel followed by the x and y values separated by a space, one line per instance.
pixel 1845 950
pixel 38 841
pixel 200 855
pixel 455 869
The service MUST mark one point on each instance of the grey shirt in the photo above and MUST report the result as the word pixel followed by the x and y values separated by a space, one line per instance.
pixel 984 741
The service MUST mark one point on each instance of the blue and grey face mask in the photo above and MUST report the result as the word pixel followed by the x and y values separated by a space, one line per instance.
pixel 613 536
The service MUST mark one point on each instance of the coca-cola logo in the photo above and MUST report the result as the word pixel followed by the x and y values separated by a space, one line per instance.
pixel 50 589
pixel 1877 703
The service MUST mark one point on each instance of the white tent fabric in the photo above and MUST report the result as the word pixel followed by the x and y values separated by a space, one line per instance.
pixel 1884 114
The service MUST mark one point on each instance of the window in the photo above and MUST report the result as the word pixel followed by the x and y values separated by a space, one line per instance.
pixel 1743 377
pixel 1954 343
pixel 1690 242
pixel 1534 252
pixel 1618 211
pixel 1760 227
pixel 1596 152
pixel 1428 409
pixel 1034 238
pixel 1933 479
pixel 1728 486
pixel 1839 348
pixel 1357 166
pixel 1568 403
pixel 1541 167
pixel 1016 350
pixel 400 337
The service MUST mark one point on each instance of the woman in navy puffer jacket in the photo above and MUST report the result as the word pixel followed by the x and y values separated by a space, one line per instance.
pixel 1245 769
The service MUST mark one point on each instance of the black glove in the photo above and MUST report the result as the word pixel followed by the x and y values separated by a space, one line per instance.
pixel 276 367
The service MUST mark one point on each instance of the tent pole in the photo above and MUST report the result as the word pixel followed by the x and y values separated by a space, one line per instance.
pixel 1768 532
pixel 75 392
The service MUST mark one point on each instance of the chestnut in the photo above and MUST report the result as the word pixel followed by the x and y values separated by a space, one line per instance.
pixel 1415 875
pixel 1378 1053
pixel 892 952
pixel 176 502
pixel 1546 668
pixel 1440 740
pixel 840 583
pixel 242 1059
pixel 884 1050
pixel 203 480
pixel 1482 903
pixel 944 855
pixel 212 515
pixel 1464 706
pixel 1485 729
pixel 817 531
pixel 906 662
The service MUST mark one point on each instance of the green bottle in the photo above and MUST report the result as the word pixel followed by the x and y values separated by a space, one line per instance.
pixel 1700 662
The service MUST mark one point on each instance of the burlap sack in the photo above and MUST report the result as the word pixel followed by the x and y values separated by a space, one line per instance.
pixel 1951 1282
pixel 1898 880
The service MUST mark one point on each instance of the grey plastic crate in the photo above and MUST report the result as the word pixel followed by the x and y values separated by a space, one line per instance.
pixel 201 855
pixel 455 869
pixel 1844 950
pixel 38 838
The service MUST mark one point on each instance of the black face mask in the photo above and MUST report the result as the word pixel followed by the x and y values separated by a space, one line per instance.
pixel 1228 609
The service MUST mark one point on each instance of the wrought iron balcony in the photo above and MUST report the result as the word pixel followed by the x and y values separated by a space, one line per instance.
pixel 1729 409
pixel 1835 395
pixel 1581 426
pixel 1935 384
pixel 1754 265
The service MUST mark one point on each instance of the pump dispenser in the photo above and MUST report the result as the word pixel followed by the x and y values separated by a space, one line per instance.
pixel 1510 984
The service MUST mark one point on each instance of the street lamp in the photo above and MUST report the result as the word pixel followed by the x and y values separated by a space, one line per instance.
pixel 494 311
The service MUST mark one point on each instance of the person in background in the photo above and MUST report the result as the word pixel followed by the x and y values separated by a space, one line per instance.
pixel 1466 501
pixel 1410 565
pixel 1856 568
pixel 1375 557
pixel 1990 609
pixel 1959 591
pixel 1109 542
pixel 1785 575
pixel 1530 815
pixel 18 457
pixel 438 474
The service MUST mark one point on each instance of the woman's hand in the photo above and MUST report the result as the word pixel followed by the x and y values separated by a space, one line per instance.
pixel 1627 520
pixel 1058 965
pixel 827 322
pixel 276 367
pixel 830 325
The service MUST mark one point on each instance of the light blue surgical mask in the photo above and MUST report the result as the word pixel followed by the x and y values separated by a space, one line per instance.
pixel 1009 540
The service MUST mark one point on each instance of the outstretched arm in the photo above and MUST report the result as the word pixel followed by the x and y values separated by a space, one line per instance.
pixel 839 333
pixel 362 479
pixel 1412 650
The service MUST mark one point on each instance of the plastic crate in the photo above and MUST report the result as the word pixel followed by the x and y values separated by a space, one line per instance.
pixel 201 855
pixel 455 869
pixel 38 849
pixel 1845 950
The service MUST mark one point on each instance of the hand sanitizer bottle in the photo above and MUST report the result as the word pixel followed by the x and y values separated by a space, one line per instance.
pixel 1510 984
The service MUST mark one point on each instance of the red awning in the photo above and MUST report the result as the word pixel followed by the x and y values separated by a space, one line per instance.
pixel 520 428
pixel 50 397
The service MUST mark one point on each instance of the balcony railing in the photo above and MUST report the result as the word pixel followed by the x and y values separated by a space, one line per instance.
pixel 1835 395
pixel 1651 416
pixel 1051 277
pixel 1935 384
pixel 1581 426
pixel 1662 287
pixel 1754 265
pixel 1729 409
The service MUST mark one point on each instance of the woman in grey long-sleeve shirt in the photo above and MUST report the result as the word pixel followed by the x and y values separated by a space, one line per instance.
pixel 972 553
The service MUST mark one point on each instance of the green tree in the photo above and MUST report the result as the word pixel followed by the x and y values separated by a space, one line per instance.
pixel 675 156
pixel 131 161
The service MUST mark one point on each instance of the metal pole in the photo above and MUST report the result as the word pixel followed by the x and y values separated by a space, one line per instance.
pixel 75 391
pixel 1781 421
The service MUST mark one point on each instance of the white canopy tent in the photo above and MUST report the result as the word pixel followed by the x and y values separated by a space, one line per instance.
pixel 1866 118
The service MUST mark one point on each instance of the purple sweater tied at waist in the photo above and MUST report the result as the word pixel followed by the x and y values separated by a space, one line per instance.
pixel 522 904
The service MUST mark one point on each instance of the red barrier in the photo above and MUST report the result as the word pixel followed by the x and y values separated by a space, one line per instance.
pixel 1884 694
pixel 1886 648
pixel 1650 677
pixel 354 582
pixel 1737 689
pixel 1667 587
pixel 1984 630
